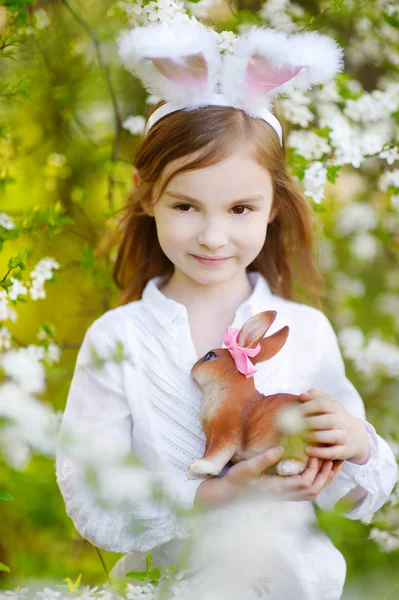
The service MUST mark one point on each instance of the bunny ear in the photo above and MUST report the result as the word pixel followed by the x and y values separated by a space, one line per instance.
pixel 179 62
pixel 262 77
pixel 255 328
pixel 265 63
pixel 188 70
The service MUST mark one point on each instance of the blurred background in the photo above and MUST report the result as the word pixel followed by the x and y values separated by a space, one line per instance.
pixel 70 120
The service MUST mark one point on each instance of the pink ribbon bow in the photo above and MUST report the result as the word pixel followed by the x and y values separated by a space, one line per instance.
pixel 239 353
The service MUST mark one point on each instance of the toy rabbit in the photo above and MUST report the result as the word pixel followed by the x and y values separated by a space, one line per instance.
pixel 238 421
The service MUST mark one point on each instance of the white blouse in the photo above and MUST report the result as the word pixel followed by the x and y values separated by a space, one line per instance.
pixel 151 404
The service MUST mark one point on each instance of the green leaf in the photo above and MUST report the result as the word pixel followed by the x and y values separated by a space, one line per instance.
pixel 4 567
pixel 139 575
pixel 6 496
pixel 155 574
pixel 318 208
pixel 324 132
pixel 391 20
pixel 332 172
pixel 298 164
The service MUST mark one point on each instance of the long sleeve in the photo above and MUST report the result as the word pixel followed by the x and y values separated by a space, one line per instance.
pixel 378 475
pixel 97 405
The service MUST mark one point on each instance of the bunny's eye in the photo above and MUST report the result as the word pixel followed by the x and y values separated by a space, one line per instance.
pixel 209 356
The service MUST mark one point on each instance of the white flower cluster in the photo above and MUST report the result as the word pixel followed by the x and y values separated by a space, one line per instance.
pixel 41 273
pixel 308 144
pixel 356 217
pixel 161 10
pixel 279 13
pixel 385 540
pixel 391 155
pixel 202 8
pixel 134 124
pixel 41 19
pixel 371 358
pixel 31 425
pixel 6 221
pixel 314 181
pixel 296 108
pixel 142 592
pixel 389 179
pixel 6 312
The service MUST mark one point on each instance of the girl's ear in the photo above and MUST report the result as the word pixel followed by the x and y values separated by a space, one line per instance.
pixel 136 179
pixel 273 213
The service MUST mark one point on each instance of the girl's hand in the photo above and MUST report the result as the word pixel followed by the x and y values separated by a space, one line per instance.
pixel 341 435
pixel 305 486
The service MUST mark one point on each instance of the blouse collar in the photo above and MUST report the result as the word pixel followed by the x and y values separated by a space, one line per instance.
pixel 165 310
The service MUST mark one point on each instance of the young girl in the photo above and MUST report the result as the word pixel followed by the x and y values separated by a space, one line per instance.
pixel 216 231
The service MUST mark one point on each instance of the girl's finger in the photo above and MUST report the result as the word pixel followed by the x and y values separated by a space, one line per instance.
pixel 335 452
pixel 328 436
pixel 306 478
pixel 321 422
pixel 320 405
pixel 322 478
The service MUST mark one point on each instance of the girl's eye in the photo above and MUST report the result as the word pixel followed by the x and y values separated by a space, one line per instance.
pixel 188 206
pixel 242 206
pixel 178 206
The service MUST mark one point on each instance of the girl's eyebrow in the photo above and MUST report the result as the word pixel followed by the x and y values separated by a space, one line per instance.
pixel 180 196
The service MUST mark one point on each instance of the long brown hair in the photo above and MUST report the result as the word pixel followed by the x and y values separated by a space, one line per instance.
pixel 204 137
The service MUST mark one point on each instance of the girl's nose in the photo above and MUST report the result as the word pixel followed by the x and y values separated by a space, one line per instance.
pixel 213 236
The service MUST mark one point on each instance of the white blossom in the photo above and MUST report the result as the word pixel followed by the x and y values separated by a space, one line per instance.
pixel 41 273
pixel 365 246
pixel 351 340
pixel 314 181
pixel 308 144
pixel 17 289
pixel 356 217
pixel 18 593
pixel 41 19
pixel 22 367
pixel 296 108
pixel 6 312
pixel 390 155
pixel 385 540
pixel 134 124
pixel 276 13
pixel 389 179
pixel 6 221
pixel 49 593
pixel 202 8
pixel 5 338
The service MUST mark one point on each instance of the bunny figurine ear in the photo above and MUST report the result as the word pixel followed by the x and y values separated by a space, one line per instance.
pixel 265 63
pixel 179 62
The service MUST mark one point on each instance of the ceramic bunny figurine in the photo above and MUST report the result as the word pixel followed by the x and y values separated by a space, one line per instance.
pixel 238 421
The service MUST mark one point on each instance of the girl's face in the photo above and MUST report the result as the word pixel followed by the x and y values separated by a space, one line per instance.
pixel 220 212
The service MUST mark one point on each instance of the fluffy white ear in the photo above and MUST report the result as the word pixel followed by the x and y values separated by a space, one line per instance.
pixel 179 62
pixel 265 63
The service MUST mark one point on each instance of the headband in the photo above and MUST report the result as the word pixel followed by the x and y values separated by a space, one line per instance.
pixel 182 63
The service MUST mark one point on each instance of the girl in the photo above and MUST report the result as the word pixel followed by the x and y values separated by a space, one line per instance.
pixel 216 231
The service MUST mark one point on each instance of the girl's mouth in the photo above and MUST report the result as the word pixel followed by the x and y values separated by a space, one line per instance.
pixel 210 261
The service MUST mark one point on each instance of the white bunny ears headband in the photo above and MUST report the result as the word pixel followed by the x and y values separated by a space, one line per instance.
pixel 182 64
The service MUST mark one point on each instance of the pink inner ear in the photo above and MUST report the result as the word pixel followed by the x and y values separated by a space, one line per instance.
pixel 192 70
pixel 262 77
